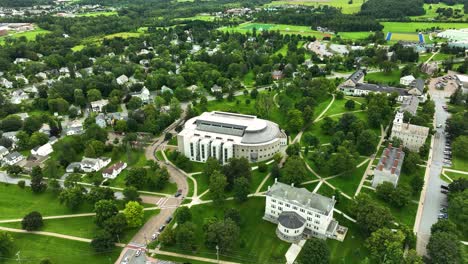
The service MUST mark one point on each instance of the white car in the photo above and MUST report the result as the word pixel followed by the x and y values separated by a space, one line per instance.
pixel 138 253
pixel 439 125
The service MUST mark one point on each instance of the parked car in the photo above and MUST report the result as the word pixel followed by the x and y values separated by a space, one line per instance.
pixel 178 193
pixel 161 228
pixel 439 125
pixel 443 210
pixel 125 261
pixel 442 216
pixel 444 191
pixel 444 187
pixel 138 253
pixel 155 236
pixel 169 219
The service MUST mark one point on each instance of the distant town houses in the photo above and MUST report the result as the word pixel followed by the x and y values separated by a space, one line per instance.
pixel 101 120
pixel 75 128
pixel 277 75
pixel 410 105
pixel 114 170
pixel 389 167
pixel 301 214
pixel 216 89
pixel 412 136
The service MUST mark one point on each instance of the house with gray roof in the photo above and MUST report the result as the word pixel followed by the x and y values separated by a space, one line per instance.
pixel 416 87
pixel 12 158
pixel 3 152
pixel 301 214
pixel 410 105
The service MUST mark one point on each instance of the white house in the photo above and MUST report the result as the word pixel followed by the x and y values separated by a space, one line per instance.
pixel 3 152
pixel 122 79
pixel 13 158
pixel 6 83
pixel 18 96
pixel 97 106
pixel 12 137
pixel 91 165
pixel 144 95
pixel 406 80
pixel 462 80
pixel 113 171
pixel 101 120
pixel 164 89
pixel 43 150
pixel 301 214
pixel 216 89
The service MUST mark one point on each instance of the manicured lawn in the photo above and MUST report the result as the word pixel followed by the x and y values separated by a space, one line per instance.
pixel 316 130
pixel 338 107
pixel 412 27
pixel 196 166
pixel 198 17
pixel 179 260
pixel 348 183
pixel 406 178
pixel 432 8
pixel 203 183
pixel 284 29
pixel 270 181
pixel 310 186
pixel 257 178
pixel 326 190
pixel 382 77
pixel 249 79
pixel 30 35
pixel 159 155
pixel 173 141
pixel 456 176
pixel 354 35
pixel 17 202
pixel 321 106
pixel 283 51
pixel 133 157
pixel 459 164
pixel 352 249
pixel 33 248
pixel 260 242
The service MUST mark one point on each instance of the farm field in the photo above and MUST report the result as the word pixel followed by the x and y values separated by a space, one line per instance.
pixel 98 40
pixel 197 17
pixel 30 35
pixel 284 29
pixel 343 4
pixel 95 14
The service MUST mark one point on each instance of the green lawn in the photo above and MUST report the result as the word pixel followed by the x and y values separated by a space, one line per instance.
pixel 260 242
pixel 17 202
pixel 432 8
pixel 203 183
pixel 338 107
pixel 354 35
pixel 345 6
pixel 30 35
pixel 98 39
pixel 196 166
pixel 34 248
pixel 173 141
pixel 459 164
pixel 257 178
pixel 348 183
pixel 249 79
pixel 382 77
pixel 282 28
pixel 456 176
pixel 197 17
pixel 412 27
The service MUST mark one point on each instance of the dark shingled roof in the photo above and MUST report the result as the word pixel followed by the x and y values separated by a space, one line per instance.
pixel 291 220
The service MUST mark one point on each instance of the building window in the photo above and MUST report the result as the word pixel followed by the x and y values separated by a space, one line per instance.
pixel 317 222
pixel 295 207
pixel 317 215
pixel 280 208
pixel 280 203
pixel 273 206
pixel 287 205
pixel 273 200
pixel 302 210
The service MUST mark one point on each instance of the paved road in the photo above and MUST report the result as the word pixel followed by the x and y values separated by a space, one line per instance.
pixel 432 197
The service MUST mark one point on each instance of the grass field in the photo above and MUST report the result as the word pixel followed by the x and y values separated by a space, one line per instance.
pixel 455 175
pixel 459 164
pixel 34 248
pixel 349 182
pixel 354 35
pixel 98 40
pixel 29 35
pixel 260 242
pixel 17 202
pixel 197 17
pixel 343 4
pixel 382 77
pixel 432 8
pixel 95 14
pixel 282 28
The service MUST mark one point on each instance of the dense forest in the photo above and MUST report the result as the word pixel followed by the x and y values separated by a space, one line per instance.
pixel 327 17
pixel 21 3
pixel 392 8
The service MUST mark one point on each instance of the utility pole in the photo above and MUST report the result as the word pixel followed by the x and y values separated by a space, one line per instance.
pixel 217 254
pixel 18 255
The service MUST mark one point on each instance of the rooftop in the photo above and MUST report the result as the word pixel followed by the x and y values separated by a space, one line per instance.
pixel 291 220
pixel 391 160
pixel 301 197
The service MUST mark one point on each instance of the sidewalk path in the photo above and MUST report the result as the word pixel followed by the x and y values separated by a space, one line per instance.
pixel 172 254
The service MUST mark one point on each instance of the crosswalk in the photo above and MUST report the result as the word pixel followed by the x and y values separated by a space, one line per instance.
pixel 161 203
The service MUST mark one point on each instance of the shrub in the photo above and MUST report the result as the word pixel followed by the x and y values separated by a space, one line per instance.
pixel 21 184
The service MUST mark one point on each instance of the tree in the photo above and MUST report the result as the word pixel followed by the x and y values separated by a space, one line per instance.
pixel 14 170
pixel 11 123
pixel 104 210
pixel 234 215
pixel 294 149
pixel 254 93
pixel 367 142
pixel 295 121
pixel 411 161
pixel 131 194
pixel 236 168
pixel 183 215
pixel 350 105
pixel 444 225
pixel 37 186
pixel 6 244
pixel 94 95
pixel 460 147
pixel 32 221
pixel 444 248
pixel 72 197
pixel 385 245
pixel 211 166
pixel 115 224
pixel 264 104
pixel 134 214
pixel 370 216
pixel 315 251
pixel 134 103
pixel 412 257
pixel 223 234
pixel 458 210
pixel 218 183
pixel 100 193
pixel 103 242
pixel 294 171
pixel 241 189
pixel 185 236
pixel 310 139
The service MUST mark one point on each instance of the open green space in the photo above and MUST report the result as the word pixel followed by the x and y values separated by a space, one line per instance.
pixel 355 35
pixel 338 107
pixel 84 227
pixel 282 28
pixel 98 39
pixel 195 166
pixel 345 5
pixel 455 175
pixel 179 260
pixel 34 248
pixel 382 77
pixel 95 14
pixel 348 182
pixel 17 202
pixel 413 27
pixel 249 79
pixel 260 243
pixel 197 17
pixel 459 164
pixel 173 141
pixel 432 8
pixel 29 35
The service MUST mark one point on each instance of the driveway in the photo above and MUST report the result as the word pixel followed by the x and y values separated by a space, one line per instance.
pixel 432 198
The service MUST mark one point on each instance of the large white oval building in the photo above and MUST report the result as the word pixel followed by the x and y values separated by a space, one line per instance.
pixel 225 135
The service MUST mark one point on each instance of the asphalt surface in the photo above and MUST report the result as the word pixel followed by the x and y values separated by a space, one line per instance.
pixel 434 199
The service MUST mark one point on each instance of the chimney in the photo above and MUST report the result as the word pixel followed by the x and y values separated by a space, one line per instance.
pixel 393 170
pixel 333 197
pixel 269 187
pixel 384 160
pixel 390 145
pixel 381 167
pixel 395 163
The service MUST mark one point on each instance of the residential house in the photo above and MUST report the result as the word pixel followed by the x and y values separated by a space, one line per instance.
pixel 277 75
pixel 45 128
pixel 416 87
pixel 462 80
pixel 21 77
pixel 122 79
pixel 301 214
pixel 43 150
pixel 72 167
pixel 111 118
pixel 113 171
pixel 97 106
pixel 12 137
pixel 164 89
pixel 3 152
pixel 429 67
pixel 389 167
pixel 406 80
pixel 18 96
pixel 91 165
pixel 101 120
pixel 216 89
pixel 20 60
pixel 6 83
pixel 12 158
pixel 193 88
pixel 144 95
pixel 410 105
pixel 41 75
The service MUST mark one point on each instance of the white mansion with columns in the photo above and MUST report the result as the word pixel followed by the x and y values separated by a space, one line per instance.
pixel 225 135
pixel 413 137
pixel 301 214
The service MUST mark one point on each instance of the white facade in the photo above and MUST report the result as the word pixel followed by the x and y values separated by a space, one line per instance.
pixel 407 80
pixel 227 135
pixel 91 165
pixel 13 158
pixel 413 137
pixel 97 106
pixel 299 213
pixel 113 171
pixel 43 150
